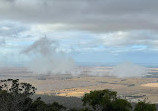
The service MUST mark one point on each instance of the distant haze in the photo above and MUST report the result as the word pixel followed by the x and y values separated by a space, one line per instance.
pixel 128 69
pixel 45 59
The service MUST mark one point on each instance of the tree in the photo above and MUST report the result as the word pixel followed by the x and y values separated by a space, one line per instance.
pixel 55 107
pixel 120 105
pixel 14 96
pixel 85 109
pixel 73 109
pixel 106 100
pixel 82 109
pixel 143 106
pixel 39 105
pixel 13 86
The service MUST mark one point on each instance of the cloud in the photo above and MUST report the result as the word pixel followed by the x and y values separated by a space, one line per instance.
pixel 18 34
pixel 12 29
pixel 89 15
pixel 2 42
pixel 135 39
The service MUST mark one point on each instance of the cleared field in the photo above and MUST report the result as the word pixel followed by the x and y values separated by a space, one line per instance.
pixel 67 85
pixel 131 88
pixel 150 85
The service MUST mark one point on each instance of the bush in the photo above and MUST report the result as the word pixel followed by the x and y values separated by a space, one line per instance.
pixel 143 106
pixel 106 100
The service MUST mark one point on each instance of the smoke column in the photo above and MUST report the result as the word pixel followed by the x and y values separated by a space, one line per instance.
pixel 128 69
pixel 44 58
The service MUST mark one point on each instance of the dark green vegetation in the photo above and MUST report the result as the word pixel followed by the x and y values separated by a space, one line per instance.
pixel 16 96
pixel 106 100
pixel 143 106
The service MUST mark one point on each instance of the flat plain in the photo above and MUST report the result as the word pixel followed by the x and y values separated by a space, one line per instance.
pixel 133 89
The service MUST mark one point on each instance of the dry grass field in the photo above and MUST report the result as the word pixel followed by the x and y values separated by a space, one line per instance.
pixel 133 89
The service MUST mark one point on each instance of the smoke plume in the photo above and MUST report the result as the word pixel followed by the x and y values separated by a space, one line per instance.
pixel 45 59
pixel 128 69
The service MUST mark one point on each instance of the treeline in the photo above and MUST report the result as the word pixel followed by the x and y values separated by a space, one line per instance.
pixel 68 102
pixel 16 96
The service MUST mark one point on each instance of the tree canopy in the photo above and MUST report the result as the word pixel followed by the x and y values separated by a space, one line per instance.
pixel 144 106
pixel 106 100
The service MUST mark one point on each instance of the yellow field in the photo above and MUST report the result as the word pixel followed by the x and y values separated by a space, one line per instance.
pixel 66 85
pixel 78 86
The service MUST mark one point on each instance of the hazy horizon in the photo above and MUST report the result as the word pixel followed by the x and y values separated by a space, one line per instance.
pixel 78 32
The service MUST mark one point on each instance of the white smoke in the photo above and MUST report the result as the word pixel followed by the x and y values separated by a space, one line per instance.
pixel 45 59
pixel 128 69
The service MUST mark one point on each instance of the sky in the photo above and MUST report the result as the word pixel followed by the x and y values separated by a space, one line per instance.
pixel 90 31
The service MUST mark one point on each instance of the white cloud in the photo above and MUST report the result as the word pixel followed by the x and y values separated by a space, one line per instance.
pixel 130 38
